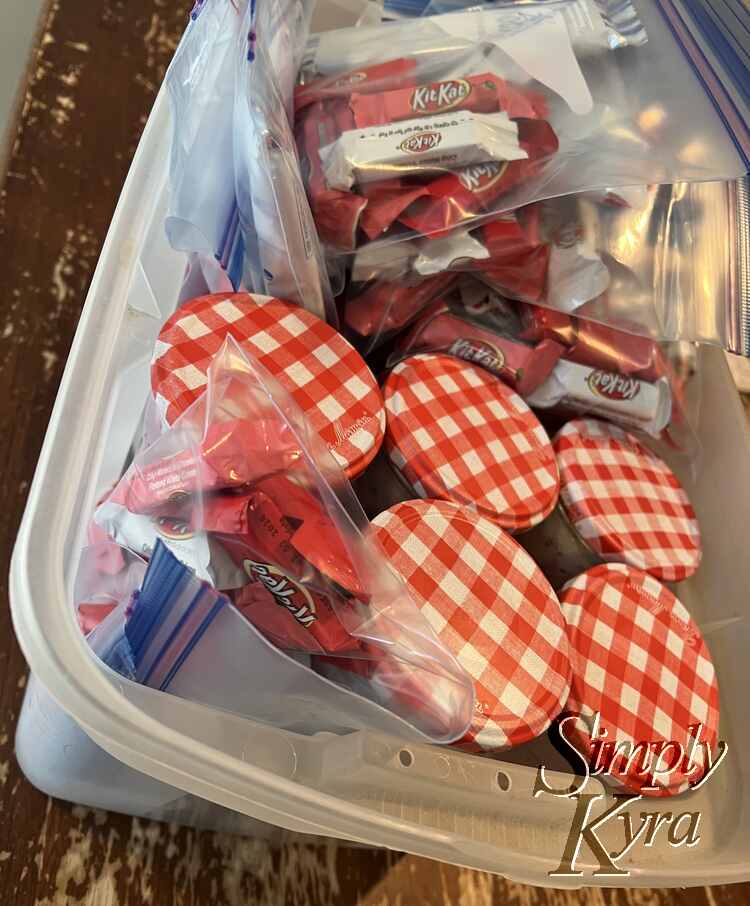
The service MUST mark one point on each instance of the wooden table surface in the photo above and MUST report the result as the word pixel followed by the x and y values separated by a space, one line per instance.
pixel 92 79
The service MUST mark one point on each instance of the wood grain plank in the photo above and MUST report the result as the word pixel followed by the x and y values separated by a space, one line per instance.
pixel 92 81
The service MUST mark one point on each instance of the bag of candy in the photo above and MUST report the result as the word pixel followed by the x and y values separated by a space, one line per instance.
pixel 244 486
pixel 423 125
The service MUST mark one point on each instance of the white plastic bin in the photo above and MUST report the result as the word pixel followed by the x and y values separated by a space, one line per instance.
pixel 87 735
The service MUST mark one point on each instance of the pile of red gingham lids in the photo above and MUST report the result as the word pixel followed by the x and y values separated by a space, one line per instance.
pixel 455 432
pixel 490 605
pixel 624 502
pixel 325 375
pixel 640 663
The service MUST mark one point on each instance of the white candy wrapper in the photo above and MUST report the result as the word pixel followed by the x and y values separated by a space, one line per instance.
pixel 418 146
pixel 618 397
pixel 195 548
pixel 437 255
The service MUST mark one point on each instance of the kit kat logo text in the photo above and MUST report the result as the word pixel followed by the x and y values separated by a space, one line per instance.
pixel 613 386
pixel 635 819
pixel 440 96
pixel 285 591
pixel 421 142
pixel 483 354
pixel 479 177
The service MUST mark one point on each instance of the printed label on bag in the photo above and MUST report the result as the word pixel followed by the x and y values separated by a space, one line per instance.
pixel 285 591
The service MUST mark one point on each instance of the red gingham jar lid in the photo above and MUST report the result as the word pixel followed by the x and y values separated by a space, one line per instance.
pixel 455 432
pixel 640 662
pixel 489 604
pixel 624 501
pixel 327 377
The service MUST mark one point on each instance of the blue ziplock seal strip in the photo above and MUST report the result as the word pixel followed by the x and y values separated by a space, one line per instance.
pixel 689 24
pixel 169 602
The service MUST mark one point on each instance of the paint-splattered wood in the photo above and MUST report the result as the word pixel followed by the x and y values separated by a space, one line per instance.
pixel 92 80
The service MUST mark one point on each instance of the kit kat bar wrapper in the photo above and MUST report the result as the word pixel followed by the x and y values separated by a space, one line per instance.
pixel 416 147
pixel 285 596
pixel 595 345
pixel 400 73
pixel 482 93
pixel 609 394
pixel 294 617
pixel 441 329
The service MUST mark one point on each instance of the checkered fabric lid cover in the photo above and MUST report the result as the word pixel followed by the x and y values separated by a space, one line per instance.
pixel 327 377
pixel 490 605
pixel 640 661
pixel 457 433
pixel 624 501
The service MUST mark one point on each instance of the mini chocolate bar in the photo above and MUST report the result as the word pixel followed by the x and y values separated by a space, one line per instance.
pixel 478 338
pixel 482 93
pixel 623 398
pixel 419 147
pixel 294 557
pixel 596 345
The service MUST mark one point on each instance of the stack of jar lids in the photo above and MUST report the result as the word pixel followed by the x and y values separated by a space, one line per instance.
pixel 324 374
pixel 457 433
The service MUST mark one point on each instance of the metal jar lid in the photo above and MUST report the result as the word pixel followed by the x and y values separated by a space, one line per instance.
pixel 325 375
pixel 492 608
pixel 624 501
pixel 457 433
pixel 643 684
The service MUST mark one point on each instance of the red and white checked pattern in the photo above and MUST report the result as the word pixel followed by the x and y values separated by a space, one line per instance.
pixel 327 377
pixel 457 433
pixel 639 661
pixel 489 604
pixel 625 502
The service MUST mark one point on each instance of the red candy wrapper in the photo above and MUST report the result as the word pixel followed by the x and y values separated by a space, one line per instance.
pixel 484 338
pixel 294 558
pixel 456 197
pixel 596 345
pixel 336 213
pixel 231 454
pixel 386 201
pixel 483 93
pixel 387 306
